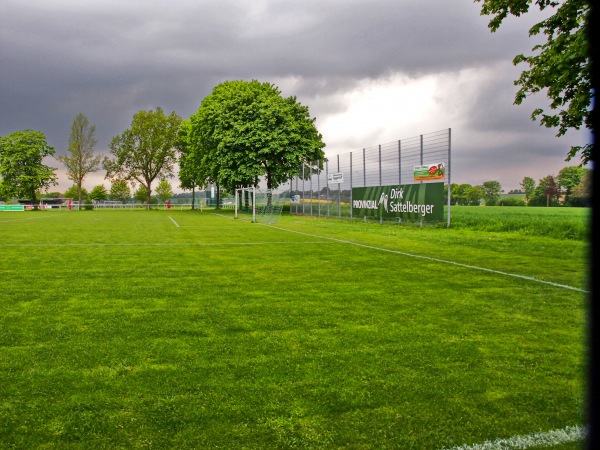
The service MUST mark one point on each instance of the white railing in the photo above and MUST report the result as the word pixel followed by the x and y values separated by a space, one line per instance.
pixel 124 206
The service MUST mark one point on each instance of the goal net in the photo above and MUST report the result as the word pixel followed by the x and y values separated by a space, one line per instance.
pixel 263 205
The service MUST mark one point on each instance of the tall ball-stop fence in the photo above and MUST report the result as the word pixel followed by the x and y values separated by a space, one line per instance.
pixel 325 188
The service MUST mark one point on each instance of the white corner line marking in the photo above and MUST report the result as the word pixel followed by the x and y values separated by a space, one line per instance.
pixel 443 261
pixel 549 438
pixel 173 220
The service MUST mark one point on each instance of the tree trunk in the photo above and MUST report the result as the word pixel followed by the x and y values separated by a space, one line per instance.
pixel 79 197
pixel 218 197
pixel 34 200
pixel 193 197
pixel 269 190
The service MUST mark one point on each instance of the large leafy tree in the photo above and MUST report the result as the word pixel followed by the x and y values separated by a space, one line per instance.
pixel 81 159
pixel 561 66
pixel 569 178
pixel 245 130
pixel 492 190
pixel 193 172
pixel 140 195
pixel 99 193
pixel 73 193
pixel 528 185
pixel 119 190
pixel 145 151
pixel 546 193
pixel 22 171
pixel 163 190
pixel 582 193
pixel 473 195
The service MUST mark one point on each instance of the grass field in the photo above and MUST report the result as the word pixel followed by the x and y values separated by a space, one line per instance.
pixel 559 223
pixel 181 329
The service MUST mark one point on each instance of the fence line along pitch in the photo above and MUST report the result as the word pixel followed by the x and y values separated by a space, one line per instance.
pixel 380 165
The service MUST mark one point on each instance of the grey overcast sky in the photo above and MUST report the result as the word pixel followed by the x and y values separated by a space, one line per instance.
pixel 371 72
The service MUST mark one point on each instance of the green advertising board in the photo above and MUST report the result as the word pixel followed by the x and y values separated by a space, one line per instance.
pixel 424 201
pixel 12 208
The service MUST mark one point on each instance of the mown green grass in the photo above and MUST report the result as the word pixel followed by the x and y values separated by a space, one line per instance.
pixel 120 330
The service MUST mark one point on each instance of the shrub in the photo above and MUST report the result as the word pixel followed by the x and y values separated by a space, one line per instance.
pixel 511 201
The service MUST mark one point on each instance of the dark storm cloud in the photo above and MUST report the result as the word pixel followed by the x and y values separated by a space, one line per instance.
pixel 109 59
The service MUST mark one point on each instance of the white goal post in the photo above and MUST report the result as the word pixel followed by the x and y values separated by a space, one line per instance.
pixel 241 192
pixel 264 204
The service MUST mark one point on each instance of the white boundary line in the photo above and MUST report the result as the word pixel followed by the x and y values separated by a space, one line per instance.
pixel 548 438
pixel 161 244
pixel 173 220
pixel 29 218
pixel 443 261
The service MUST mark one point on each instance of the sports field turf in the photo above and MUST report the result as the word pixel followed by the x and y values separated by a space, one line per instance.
pixel 181 329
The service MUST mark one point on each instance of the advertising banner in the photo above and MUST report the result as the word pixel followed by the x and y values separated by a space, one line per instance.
pixel 429 172
pixel 408 201
pixel 12 208
pixel 335 178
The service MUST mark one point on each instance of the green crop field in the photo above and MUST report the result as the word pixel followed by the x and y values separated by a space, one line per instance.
pixel 181 329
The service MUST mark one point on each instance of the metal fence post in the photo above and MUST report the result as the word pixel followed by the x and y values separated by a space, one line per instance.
pixel 327 176
pixel 311 189
pixel 350 185
pixel 303 188
pixel 379 165
pixel 318 189
pixel 449 172
pixel 399 162
pixel 339 190
pixel 364 169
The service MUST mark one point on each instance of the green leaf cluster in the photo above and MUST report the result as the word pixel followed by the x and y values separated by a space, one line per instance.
pixel 560 67
pixel 163 190
pixel 81 159
pixel 145 151
pixel 571 187
pixel 119 190
pixel 246 130
pixel 528 185
pixel 492 190
pixel 99 193
pixel 22 171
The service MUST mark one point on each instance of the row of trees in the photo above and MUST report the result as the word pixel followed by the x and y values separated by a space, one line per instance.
pixel 571 187
pixel 119 191
pixel 468 195
pixel 244 130
pixel 142 153
pixel 241 132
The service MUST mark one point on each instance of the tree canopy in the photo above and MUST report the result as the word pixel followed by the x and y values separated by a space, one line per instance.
pixel 192 172
pixel 81 159
pixel 99 193
pixel 119 190
pixel 528 185
pixel 163 190
pixel 245 130
pixel 561 66
pixel 569 178
pixel 73 193
pixel 145 151
pixel 22 171
pixel 492 190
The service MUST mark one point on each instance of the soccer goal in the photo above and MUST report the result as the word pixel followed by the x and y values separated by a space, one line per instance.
pixel 263 205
